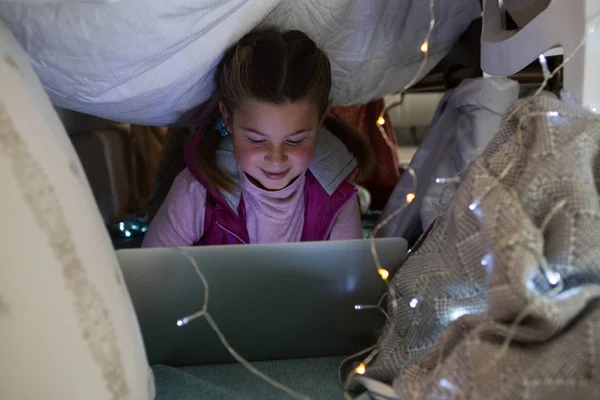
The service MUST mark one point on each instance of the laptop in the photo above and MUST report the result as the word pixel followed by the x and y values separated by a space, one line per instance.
pixel 271 301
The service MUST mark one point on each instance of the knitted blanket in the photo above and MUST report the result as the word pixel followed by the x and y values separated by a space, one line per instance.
pixel 499 299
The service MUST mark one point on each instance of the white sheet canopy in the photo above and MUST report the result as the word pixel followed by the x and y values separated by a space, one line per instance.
pixel 151 62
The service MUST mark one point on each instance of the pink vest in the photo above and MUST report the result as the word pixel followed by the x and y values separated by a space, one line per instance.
pixel 223 225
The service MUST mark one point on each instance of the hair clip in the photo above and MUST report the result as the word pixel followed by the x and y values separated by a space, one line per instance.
pixel 222 128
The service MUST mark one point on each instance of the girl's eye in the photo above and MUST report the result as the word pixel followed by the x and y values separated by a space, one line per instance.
pixel 256 142
pixel 295 142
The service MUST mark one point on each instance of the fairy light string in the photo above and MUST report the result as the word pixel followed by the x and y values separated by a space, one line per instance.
pixel 384 273
pixel 410 197
pixel 204 313
pixel 381 270
pixel 553 278
pixel 378 306
pixel 425 47
pixel 555 281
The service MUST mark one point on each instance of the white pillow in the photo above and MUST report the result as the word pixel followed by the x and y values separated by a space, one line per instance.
pixel 67 326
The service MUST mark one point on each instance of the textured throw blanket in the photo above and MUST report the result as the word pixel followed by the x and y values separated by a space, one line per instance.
pixel 499 299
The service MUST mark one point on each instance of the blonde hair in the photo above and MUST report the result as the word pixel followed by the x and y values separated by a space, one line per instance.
pixel 277 67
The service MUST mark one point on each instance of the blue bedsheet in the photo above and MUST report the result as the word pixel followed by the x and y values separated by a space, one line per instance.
pixel 316 378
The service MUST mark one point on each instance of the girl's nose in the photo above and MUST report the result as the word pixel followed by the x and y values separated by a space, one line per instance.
pixel 276 155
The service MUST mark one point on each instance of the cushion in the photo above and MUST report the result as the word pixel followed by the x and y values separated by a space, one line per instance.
pixel 67 324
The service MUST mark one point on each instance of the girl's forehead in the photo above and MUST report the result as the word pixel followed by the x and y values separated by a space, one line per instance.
pixel 277 121
pixel 297 110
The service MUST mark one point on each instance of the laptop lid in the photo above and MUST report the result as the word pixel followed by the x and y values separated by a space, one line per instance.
pixel 271 301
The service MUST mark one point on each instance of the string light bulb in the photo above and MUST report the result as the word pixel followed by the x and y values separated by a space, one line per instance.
pixel 410 197
pixel 361 369
pixel 381 120
pixel 384 273
pixel 425 47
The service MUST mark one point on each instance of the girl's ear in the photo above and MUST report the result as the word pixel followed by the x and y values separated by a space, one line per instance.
pixel 325 114
pixel 225 115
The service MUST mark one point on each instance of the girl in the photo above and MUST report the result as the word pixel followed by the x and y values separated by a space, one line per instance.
pixel 265 171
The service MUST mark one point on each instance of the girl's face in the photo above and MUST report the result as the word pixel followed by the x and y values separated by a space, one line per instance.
pixel 273 143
